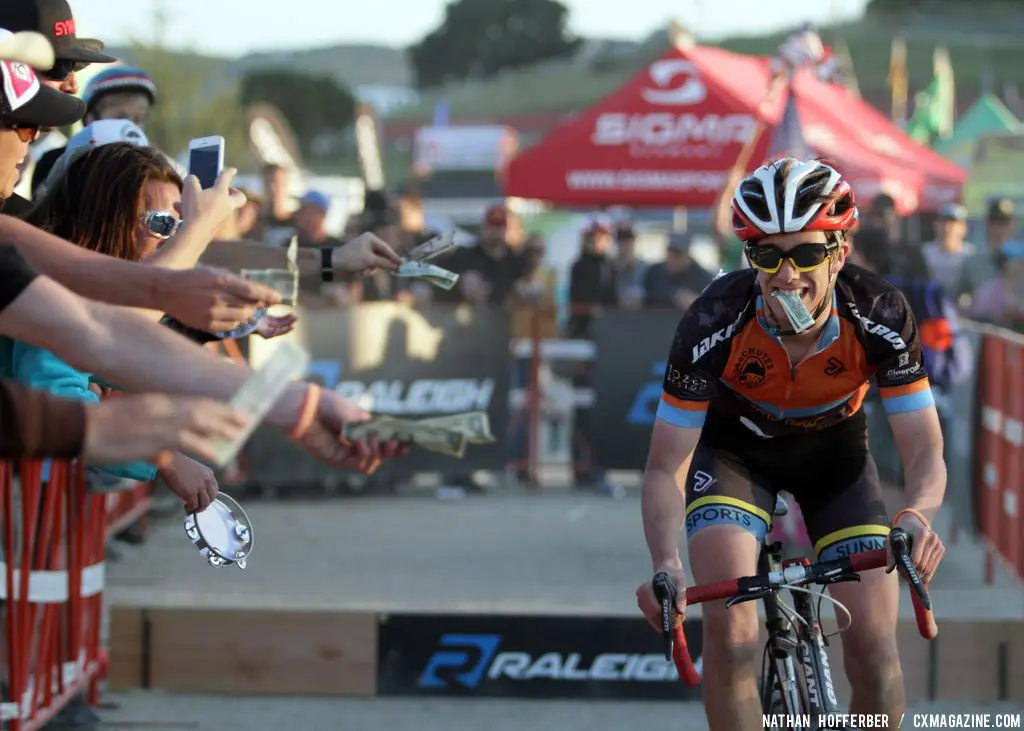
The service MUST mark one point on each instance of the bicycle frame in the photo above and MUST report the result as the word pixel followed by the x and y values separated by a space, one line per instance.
pixel 816 694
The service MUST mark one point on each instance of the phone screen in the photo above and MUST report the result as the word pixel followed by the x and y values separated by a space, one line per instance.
pixel 204 163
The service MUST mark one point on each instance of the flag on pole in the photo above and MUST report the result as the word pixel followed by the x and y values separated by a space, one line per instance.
pixel 898 81
pixel 935 106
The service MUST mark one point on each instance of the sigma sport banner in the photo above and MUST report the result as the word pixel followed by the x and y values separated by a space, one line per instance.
pixel 529 657
pixel 393 360
pixel 631 352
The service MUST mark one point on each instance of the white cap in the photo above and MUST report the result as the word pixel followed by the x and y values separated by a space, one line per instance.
pixel 99 133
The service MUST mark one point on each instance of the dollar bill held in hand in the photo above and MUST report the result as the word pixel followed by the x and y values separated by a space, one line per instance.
pixel 434 248
pixel 435 439
pixel 283 281
pixel 259 393
pixel 474 425
pixel 430 272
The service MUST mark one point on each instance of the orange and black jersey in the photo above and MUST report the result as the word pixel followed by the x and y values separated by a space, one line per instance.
pixel 725 360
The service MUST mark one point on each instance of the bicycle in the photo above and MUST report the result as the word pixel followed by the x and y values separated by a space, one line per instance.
pixel 795 635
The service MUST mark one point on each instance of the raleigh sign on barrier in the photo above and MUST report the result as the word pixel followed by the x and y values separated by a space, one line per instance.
pixel 514 656
pixel 394 360
pixel 631 352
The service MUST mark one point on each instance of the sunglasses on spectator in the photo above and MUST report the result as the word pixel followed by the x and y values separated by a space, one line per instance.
pixel 26 134
pixel 162 224
pixel 804 257
pixel 61 70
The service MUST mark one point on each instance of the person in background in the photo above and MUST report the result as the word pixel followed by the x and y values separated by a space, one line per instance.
pixel 310 219
pixel 986 263
pixel 488 270
pixel 115 93
pixel 677 281
pixel 276 226
pixel 906 258
pixel 629 271
pixel 592 285
pixel 1000 300
pixel 247 216
pixel 593 279
pixel 945 256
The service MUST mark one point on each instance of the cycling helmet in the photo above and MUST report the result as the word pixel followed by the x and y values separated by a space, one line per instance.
pixel 790 195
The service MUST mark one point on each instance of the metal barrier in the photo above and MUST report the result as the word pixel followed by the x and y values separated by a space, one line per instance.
pixel 53 546
pixel 999 466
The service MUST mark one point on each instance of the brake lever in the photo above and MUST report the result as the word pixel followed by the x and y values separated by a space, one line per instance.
pixel 902 543
pixel 666 590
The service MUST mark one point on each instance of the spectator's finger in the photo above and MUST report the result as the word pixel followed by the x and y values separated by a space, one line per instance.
pixel 226 177
pixel 246 291
pixel 389 259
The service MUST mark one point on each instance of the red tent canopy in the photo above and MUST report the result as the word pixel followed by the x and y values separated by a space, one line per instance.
pixel 670 135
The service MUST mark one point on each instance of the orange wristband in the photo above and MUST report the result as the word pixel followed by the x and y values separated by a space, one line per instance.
pixel 308 413
pixel 915 513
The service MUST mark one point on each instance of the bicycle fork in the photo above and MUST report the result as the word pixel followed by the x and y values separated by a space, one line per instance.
pixel 812 653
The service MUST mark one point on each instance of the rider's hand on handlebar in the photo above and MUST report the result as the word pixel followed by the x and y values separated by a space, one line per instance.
pixel 927 548
pixel 650 605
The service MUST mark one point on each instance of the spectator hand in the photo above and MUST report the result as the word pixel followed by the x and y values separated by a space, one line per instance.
pixel 212 207
pixel 210 299
pixel 323 440
pixel 192 482
pixel 145 426
pixel 272 326
pixel 364 253
pixel 474 288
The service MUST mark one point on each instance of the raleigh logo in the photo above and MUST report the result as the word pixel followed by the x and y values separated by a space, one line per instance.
pixel 664 72
pixel 467 660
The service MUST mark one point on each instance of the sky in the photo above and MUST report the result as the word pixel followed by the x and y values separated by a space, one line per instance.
pixel 237 27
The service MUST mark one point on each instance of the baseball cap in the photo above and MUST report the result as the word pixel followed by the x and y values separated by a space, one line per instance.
pixel 97 134
pixel 952 212
pixel 27 47
pixel 679 241
pixel 119 78
pixel 1001 209
pixel 27 103
pixel 317 200
pixel 54 19
pixel 598 224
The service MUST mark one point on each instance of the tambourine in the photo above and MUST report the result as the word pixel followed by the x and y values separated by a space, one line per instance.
pixel 222 532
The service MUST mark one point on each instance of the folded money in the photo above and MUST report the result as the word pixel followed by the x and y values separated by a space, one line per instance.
pixel 434 247
pixel 474 425
pixel 283 281
pixel 431 272
pixel 259 393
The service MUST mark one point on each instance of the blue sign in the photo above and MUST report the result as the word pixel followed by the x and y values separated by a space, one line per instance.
pixel 645 405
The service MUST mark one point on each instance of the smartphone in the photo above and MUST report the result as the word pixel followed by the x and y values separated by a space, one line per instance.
pixel 206 159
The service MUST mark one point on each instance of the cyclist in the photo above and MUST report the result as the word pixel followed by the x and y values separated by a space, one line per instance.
pixel 763 392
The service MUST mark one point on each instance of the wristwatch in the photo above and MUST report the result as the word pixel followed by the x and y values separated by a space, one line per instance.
pixel 326 263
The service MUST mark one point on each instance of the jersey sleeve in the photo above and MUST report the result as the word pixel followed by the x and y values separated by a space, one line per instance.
pixel 898 356
pixel 687 389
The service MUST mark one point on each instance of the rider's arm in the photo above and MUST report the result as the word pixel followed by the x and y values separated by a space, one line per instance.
pixel 686 394
pixel 909 404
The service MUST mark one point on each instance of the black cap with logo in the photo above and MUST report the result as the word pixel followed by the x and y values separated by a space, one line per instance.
pixel 24 102
pixel 53 18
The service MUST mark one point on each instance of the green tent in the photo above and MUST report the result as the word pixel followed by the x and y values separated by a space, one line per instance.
pixel 987 115
pixel 996 172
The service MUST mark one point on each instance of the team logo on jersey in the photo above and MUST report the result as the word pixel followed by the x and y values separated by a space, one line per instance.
pixel 834 367
pixel 753 367
pixel 702 481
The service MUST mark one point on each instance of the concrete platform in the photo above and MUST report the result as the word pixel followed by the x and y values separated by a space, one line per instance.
pixel 302 618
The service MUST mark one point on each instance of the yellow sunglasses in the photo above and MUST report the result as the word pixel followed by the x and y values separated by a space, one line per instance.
pixel 804 257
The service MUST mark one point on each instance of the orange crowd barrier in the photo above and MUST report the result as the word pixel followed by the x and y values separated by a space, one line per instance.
pixel 53 541
pixel 1000 463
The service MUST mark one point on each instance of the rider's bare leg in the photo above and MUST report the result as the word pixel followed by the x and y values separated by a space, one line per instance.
pixel 870 655
pixel 731 654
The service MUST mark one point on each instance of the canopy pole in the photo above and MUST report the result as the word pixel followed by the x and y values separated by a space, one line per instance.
pixel 679 219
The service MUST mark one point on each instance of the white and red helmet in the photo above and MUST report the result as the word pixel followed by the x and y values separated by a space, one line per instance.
pixel 790 195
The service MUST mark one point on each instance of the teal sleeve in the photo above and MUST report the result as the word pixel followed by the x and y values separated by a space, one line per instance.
pixel 41 369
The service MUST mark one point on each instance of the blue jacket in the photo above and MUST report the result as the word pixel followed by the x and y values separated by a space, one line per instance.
pixel 41 369
pixel 947 356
